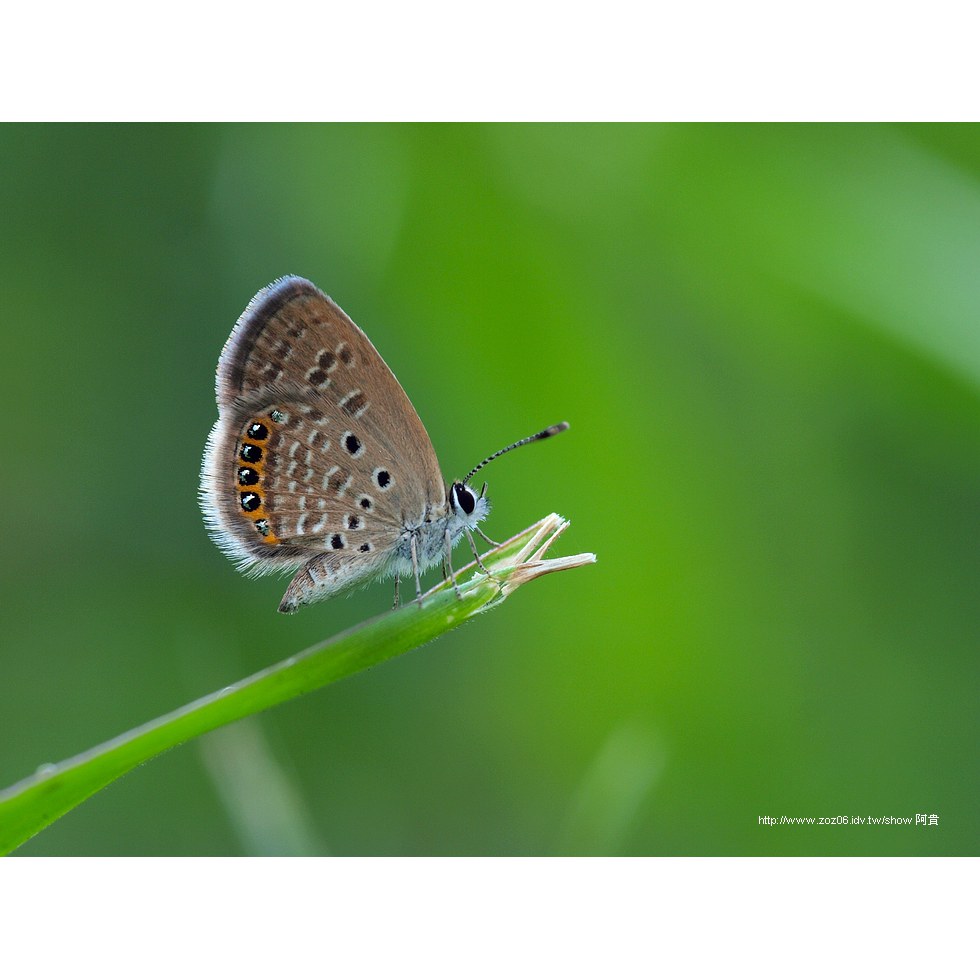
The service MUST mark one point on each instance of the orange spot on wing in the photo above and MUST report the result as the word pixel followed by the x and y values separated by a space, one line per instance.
pixel 260 513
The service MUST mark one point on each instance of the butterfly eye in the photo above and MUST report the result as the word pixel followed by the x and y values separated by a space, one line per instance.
pixel 463 498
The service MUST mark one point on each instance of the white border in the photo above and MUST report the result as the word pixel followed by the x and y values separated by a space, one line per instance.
pixel 528 60
pixel 560 917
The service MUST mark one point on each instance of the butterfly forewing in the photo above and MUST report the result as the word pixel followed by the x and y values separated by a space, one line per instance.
pixel 311 441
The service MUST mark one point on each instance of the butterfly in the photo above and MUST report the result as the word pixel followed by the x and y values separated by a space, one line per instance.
pixel 318 462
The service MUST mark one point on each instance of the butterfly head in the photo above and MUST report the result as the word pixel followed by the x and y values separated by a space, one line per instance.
pixel 468 507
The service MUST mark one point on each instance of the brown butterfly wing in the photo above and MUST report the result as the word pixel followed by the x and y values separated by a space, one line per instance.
pixel 317 449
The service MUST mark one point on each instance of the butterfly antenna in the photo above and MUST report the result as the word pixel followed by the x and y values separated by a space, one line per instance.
pixel 552 430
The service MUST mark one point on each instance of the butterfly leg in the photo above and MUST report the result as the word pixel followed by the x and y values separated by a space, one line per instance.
pixel 476 555
pixel 415 571
pixel 395 606
pixel 490 541
pixel 449 562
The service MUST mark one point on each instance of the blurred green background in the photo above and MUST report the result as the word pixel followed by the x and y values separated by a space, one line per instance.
pixel 767 340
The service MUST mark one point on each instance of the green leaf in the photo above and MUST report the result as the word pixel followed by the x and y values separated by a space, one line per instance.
pixel 35 802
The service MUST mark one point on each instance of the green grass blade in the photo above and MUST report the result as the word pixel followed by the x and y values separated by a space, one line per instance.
pixel 30 805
